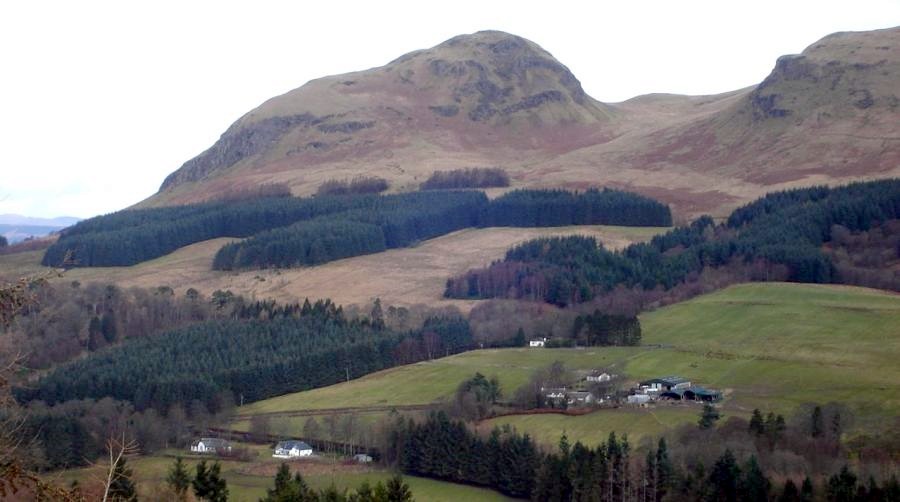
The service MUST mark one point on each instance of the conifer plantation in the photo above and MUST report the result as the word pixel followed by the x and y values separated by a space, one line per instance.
pixel 786 229
pixel 253 359
pixel 288 231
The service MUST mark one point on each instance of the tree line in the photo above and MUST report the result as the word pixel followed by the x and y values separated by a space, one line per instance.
pixel 357 185
pixel 784 229
pixel 555 208
pixel 400 222
pixel 249 360
pixel 472 177
pixel 132 236
pixel 604 329
pixel 68 320
pixel 288 231
pixel 443 449
pixel 390 222
pixel 736 461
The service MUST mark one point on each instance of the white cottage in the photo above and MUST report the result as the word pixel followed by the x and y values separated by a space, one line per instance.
pixel 598 376
pixel 292 449
pixel 362 458
pixel 539 342
pixel 214 446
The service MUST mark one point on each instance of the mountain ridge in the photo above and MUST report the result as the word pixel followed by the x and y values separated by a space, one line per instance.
pixel 828 115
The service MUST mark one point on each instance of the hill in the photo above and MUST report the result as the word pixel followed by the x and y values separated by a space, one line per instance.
pixel 17 228
pixel 771 346
pixel 828 115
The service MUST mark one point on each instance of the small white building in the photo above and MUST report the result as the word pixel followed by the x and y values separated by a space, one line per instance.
pixel 553 392
pixel 598 376
pixel 639 399
pixel 666 384
pixel 580 398
pixel 212 446
pixel 362 458
pixel 292 449
pixel 537 342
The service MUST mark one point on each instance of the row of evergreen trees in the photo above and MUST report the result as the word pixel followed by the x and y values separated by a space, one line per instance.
pixel 444 449
pixel 132 236
pixel 472 177
pixel 252 360
pixel 511 463
pixel 290 231
pixel 606 329
pixel 405 221
pixel 555 208
pixel 391 222
pixel 786 228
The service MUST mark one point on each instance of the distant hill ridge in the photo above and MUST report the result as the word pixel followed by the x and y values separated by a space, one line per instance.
pixel 828 115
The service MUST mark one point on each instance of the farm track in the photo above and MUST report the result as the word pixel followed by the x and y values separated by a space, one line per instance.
pixel 339 411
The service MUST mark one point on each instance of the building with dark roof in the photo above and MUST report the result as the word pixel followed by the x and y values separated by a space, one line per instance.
pixel 694 393
pixel 666 383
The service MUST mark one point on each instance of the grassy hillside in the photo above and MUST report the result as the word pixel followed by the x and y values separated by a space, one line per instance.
pixel 772 346
pixel 399 276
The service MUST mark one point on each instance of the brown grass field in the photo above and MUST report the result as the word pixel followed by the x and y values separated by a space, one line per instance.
pixel 405 276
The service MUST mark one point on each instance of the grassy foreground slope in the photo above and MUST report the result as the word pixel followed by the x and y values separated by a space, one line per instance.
pixel 248 481
pixel 773 346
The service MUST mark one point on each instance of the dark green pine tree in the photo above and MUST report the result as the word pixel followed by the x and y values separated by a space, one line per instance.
pixel 121 487
pixel 754 485
pixel 108 327
pixel 377 315
pixel 209 484
pixel 95 333
pixel 179 480
pixel 756 423
pixel 201 480
pixel 842 486
pixel 789 493
pixel 806 490
pixel 665 472
pixel 723 479
pixel 289 489
pixel 816 423
pixel 519 340
pixel 776 430
pixel 708 417
pixel 397 490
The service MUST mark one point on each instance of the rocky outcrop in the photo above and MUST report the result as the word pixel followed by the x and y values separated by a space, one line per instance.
pixel 236 144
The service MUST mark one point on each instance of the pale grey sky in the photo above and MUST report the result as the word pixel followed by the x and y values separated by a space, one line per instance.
pixel 101 100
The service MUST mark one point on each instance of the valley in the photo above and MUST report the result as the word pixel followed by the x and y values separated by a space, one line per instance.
pixel 464 266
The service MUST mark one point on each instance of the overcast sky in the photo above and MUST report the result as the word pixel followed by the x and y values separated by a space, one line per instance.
pixel 101 100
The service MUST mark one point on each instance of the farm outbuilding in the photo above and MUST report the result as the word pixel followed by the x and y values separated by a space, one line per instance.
pixel 692 394
pixel 667 383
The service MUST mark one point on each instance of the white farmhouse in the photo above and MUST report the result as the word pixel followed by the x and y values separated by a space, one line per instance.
pixel 598 376
pixel 538 342
pixel 292 449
